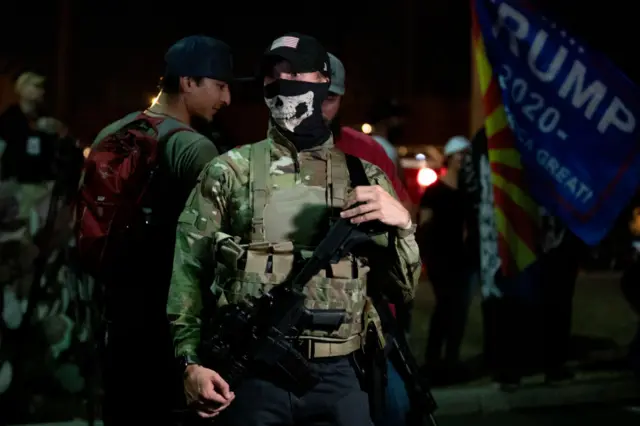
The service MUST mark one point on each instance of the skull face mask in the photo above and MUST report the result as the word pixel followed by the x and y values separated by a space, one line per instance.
pixel 289 111
pixel 296 109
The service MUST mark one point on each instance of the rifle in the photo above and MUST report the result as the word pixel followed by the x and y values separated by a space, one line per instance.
pixel 264 329
pixel 423 405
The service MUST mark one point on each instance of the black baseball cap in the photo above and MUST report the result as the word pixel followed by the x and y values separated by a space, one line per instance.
pixel 304 53
pixel 200 56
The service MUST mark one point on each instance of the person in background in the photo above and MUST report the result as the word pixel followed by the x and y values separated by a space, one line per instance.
pixel 387 118
pixel 442 220
pixel 28 138
pixel 559 265
pixel 365 147
pixel 359 145
pixel 353 142
pixel 195 86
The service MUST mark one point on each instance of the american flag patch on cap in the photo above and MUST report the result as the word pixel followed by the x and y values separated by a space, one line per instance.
pixel 286 41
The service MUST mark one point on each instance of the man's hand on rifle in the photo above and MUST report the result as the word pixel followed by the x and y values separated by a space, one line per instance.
pixel 377 204
pixel 206 391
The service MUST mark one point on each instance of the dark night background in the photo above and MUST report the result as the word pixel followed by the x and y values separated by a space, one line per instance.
pixel 105 59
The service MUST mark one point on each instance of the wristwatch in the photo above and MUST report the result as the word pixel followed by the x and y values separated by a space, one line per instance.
pixel 184 361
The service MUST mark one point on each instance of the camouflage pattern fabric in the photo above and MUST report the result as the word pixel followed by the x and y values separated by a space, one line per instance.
pixel 220 209
pixel 322 293
pixel 43 359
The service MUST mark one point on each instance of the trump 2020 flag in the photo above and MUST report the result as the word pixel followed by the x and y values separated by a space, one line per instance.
pixel 507 216
pixel 574 116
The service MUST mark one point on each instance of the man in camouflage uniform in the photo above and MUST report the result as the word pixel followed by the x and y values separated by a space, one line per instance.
pixel 275 198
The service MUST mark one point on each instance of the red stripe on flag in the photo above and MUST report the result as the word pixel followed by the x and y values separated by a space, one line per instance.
pixel 510 174
pixel 493 97
pixel 504 139
pixel 518 219
pixel 509 266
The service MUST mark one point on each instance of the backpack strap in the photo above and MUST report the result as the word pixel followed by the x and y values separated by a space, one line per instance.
pixel 130 118
pixel 165 127
pixel 125 121
pixel 169 127
pixel 259 177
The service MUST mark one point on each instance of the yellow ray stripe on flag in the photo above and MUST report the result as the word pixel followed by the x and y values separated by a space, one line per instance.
pixel 482 66
pixel 521 253
pixel 496 121
pixel 507 156
pixel 516 194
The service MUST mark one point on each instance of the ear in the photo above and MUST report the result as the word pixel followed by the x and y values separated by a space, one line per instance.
pixel 187 84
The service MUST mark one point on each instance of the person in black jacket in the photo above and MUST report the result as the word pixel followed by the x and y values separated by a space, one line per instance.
pixel 28 136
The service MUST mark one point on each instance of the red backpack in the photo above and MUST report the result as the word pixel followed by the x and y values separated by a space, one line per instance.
pixel 114 189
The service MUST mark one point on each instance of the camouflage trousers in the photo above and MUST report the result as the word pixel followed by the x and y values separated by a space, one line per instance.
pixel 45 305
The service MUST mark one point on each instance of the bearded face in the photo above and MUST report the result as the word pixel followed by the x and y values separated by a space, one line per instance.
pixel 289 111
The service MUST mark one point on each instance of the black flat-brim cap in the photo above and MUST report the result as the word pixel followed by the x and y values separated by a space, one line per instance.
pixel 200 56
pixel 304 54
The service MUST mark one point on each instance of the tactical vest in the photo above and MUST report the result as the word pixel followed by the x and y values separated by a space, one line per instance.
pixel 270 254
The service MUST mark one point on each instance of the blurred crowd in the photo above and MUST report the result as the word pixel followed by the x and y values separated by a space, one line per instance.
pixel 46 323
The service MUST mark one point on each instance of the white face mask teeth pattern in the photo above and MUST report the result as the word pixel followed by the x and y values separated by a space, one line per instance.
pixel 284 109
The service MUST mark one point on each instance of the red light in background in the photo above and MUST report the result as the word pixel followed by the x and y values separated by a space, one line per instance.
pixel 427 176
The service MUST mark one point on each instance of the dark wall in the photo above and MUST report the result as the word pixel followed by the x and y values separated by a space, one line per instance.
pixel 441 48
pixel 411 49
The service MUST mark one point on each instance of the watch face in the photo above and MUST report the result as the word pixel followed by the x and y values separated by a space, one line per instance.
pixel 182 362
pixel 185 361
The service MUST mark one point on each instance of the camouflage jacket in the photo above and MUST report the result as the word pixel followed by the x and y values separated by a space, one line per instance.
pixel 219 207
pixel 47 359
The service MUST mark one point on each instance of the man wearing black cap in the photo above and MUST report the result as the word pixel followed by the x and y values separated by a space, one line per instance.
pixel 194 87
pixel 270 203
